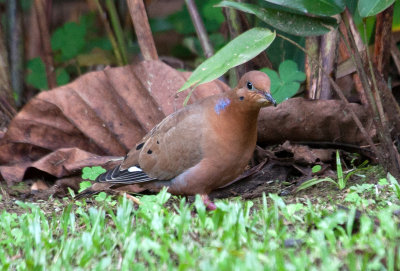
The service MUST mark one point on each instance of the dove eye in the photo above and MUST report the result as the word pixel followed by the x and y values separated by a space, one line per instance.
pixel 249 85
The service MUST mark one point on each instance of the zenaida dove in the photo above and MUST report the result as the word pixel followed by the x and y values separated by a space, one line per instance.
pixel 197 149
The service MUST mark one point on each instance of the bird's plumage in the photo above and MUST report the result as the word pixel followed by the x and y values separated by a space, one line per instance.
pixel 199 148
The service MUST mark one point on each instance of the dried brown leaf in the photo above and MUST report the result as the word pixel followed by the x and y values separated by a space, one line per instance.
pixel 99 115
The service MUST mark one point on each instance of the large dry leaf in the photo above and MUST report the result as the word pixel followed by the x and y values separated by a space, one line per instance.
pixel 100 114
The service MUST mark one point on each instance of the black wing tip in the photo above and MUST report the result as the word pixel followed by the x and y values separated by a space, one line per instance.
pixel 118 176
pixel 102 177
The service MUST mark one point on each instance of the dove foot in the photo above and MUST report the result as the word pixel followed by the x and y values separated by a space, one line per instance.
pixel 208 203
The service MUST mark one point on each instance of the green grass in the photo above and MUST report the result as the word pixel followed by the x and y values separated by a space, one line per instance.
pixel 165 233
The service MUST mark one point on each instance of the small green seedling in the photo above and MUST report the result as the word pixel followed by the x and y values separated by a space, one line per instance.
pixel 316 169
pixel 395 184
pixel 105 198
pixel 92 173
pixel 287 83
pixel 341 179
pixel 84 185
pixel 356 191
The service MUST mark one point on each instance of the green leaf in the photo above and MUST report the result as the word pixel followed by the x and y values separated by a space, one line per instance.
pixel 316 168
pixel 92 173
pixel 285 86
pixel 396 17
pixel 296 24
pixel 383 181
pixel 275 80
pixel 280 50
pixel 316 7
pixel 395 184
pixel 286 91
pixel 289 72
pixel 101 196
pixel 314 181
pixel 368 8
pixel 339 170
pixel 62 76
pixel 236 52
pixel 37 73
pixel 362 188
pixel 69 40
pixel 212 18
pixel 353 197
pixel 84 185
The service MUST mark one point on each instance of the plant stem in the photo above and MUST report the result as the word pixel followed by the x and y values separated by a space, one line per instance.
pixel 235 28
pixel 200 29
pixel 117 30
pixel 339 171
pixel 110 34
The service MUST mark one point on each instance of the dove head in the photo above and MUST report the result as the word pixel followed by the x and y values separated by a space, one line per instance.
pixel 254 89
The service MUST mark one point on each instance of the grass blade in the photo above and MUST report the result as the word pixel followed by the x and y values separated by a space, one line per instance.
pixel 314 181
pixel 339 169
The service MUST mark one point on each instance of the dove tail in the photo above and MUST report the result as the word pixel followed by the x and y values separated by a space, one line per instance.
pixel 86 193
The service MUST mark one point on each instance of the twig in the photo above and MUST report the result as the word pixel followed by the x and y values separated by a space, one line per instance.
pixel 110 34
pixel 339 92
pixel 360 47
pixel 359 66
pixel 348 61
pixel 235 28
pixel 356 35
pixel 142 29
pixel 45 38
pixel 200 29
pixel 15 45
pixel 395 55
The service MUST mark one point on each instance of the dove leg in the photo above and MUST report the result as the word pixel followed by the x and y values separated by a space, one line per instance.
pixel 208 203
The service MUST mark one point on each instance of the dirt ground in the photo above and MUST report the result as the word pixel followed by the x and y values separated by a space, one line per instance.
pixel 265 181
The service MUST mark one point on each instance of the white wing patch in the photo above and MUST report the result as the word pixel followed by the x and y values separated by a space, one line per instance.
pixel 134 169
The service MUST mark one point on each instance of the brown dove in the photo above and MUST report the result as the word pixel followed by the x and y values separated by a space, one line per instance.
pixel 197 149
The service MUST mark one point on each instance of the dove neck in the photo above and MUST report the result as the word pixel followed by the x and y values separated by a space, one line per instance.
pixel 236 119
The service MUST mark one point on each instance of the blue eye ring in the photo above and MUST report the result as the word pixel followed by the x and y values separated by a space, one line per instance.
pixel 249 85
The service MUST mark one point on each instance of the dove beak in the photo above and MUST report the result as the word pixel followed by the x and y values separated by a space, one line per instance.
pixel 269 97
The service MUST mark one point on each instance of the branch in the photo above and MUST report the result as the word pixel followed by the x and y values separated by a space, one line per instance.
pixel 142 29
pixel 45 38
pixel 200 29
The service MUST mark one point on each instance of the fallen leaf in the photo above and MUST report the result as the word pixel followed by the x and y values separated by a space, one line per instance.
pixel 92 120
